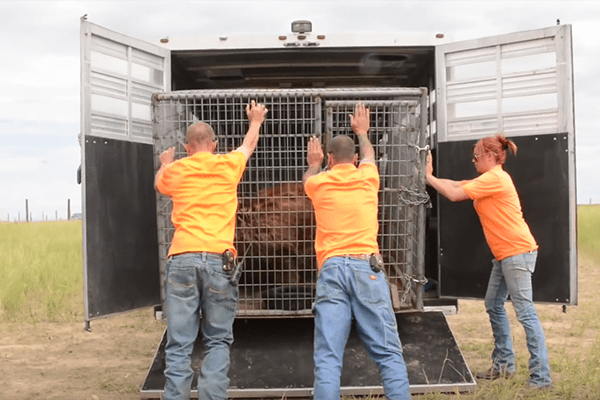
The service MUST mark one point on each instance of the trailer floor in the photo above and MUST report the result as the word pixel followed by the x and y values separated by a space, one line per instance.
pixel 274 358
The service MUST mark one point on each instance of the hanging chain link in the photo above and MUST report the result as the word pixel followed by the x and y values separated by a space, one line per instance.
pixel 415 198
pixel 409 281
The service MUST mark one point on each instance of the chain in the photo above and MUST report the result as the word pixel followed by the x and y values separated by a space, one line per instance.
pixel 407 291
pixel 409 281
pixel 416 198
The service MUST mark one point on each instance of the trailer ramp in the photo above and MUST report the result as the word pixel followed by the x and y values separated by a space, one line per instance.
pixel 273 358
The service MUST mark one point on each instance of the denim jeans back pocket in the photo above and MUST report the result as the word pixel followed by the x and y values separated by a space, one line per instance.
pixel 517 271
pixel 520 262
pixel 219 295
pixel 181 280
pixel 371 287
pixel 219 281
pixel 328 286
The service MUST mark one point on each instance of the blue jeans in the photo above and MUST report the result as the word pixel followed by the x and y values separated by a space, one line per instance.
pixel 512 276
pixel 198 295
pixel 347 287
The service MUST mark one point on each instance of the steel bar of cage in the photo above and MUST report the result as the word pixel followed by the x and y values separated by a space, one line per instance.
pixel 274 93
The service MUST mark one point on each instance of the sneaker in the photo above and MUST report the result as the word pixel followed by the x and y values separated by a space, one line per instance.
pixel 532 385
pixel 493 374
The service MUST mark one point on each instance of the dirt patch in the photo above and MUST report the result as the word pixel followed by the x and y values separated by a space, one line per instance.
pixel 49 361
pixel 63 361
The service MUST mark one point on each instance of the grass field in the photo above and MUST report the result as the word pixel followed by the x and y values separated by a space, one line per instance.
pixel 45 354
pixel 41 272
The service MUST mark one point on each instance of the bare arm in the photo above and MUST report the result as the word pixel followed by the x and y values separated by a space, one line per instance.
pixel 452 190
pixel 314 157
pixel 360 122
pixel 256 114
pixel 166 158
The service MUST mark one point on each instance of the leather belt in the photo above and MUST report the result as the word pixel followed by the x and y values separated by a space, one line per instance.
pixel 363 257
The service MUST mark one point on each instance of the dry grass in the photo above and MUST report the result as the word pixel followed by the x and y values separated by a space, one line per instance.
pixel 45 353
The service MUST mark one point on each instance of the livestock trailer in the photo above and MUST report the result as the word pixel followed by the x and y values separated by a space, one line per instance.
pixel 425 93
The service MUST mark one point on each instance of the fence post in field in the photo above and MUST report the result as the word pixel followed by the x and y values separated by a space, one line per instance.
pixel 68 209
pixel 26 210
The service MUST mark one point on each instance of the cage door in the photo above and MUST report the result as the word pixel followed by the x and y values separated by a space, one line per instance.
pixel 397 132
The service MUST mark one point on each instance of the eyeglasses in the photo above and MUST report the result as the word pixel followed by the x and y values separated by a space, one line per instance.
pixel 476 156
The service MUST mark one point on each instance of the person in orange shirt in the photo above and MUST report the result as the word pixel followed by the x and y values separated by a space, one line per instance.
pixel 199 291
pixel 351 282
pixel 515 252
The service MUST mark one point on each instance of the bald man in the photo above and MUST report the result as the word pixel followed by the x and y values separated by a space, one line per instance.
pixel 199 293
pixel 351 282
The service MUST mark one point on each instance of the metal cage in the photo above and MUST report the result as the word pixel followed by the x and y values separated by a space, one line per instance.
pixel 275 221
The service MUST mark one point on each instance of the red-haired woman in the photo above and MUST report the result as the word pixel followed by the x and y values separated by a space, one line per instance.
pixel 515 251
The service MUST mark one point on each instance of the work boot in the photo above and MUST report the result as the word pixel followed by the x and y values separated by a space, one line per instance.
pixel 493 374
pixel 532 385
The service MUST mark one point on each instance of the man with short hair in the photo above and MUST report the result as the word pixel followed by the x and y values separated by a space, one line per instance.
pixel 199 293
pixel 351 282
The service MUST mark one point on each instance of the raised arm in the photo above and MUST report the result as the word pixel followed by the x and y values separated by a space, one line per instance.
pixel 452 190
pixel 256 113
pixel 314 157
pixel 360 122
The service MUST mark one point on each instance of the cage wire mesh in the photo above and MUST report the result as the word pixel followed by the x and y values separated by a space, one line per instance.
pixel 275 225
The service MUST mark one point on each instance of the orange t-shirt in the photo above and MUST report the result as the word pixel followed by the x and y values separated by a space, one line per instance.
pixel 497 203
pixel 203 188
pixel 345 202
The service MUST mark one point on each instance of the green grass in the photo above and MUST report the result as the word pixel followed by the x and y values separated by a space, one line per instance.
pixel 41 272
pixel 588 231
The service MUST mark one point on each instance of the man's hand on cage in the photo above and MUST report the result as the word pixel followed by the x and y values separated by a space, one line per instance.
pixel 315 152
pixel 256 112
pixel 167 156
pixel 360 120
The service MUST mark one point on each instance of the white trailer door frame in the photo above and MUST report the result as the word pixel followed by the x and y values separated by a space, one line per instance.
pixel 118 76
pixel 520 84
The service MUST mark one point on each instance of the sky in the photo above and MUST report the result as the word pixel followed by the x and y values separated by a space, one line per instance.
pixel 40 69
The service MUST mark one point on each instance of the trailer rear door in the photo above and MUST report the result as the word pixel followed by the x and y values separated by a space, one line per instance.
pixel 520 84
pixel 120 250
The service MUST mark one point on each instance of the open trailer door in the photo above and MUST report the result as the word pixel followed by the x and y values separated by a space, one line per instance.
pixel 520 84
pixel 120 250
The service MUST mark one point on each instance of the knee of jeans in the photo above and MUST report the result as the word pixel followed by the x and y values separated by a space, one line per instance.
pixel 526 312
pixel 492 305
